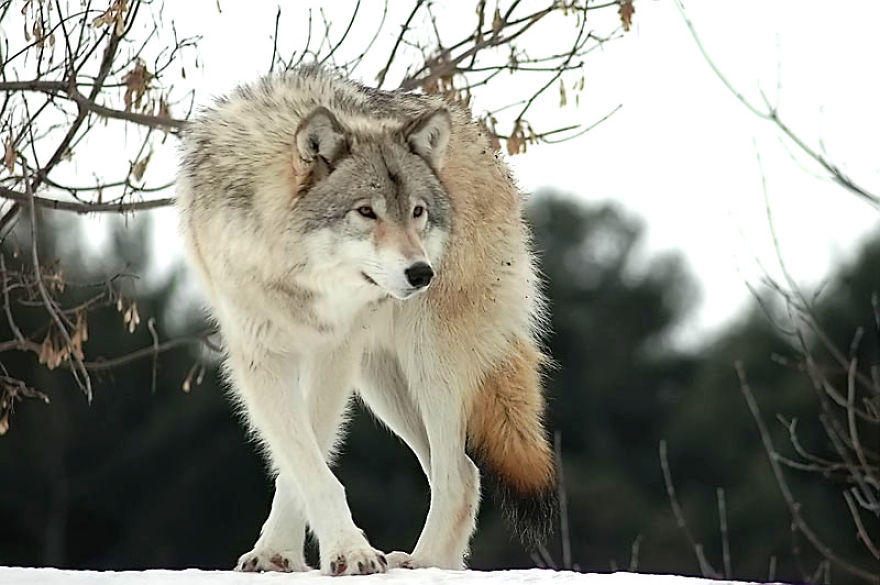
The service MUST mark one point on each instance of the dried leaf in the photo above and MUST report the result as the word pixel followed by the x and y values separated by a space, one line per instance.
pixel 481 18
pixel 516 142
pixel 562 98
pixel 513 60
pixel 626 12
pixel 131 317
pixel 115 15
pixel 137 84
pixel 49 354
pixel 9 155
pixel 82 325
pixel 497 22
pixel 164 110
pixel 139 168
pixel 38 32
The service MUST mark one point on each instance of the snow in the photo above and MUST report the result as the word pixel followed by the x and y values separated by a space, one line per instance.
pixel 31 576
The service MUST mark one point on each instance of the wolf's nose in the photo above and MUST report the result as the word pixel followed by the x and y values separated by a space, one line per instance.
pixel 419 274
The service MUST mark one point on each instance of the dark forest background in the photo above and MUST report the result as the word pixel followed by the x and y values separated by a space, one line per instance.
pixel 150 475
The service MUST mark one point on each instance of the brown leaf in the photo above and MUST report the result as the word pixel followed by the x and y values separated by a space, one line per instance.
pixel 9 155
pixel 626 12
pixel 4 423
pixel 516 142
pixel 38 33
pixel 481 18
pixel 139 168
pixel 137 84
pixel 115 15
pixel 497 22
pixel 164 110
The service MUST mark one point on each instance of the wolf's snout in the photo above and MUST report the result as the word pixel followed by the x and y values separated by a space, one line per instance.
pixel 419 274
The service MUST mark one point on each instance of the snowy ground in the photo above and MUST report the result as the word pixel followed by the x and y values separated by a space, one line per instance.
pixel 21 576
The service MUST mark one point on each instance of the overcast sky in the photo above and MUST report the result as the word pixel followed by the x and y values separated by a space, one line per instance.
pixel 682 153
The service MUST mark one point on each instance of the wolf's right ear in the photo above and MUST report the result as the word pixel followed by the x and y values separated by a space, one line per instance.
pixel 321 139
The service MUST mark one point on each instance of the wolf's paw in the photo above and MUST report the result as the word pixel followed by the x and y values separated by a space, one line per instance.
pixel 402 560
pixel 355 561
pixel 262 561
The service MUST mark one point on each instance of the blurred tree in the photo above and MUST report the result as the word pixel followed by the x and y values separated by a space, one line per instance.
pixel 150 475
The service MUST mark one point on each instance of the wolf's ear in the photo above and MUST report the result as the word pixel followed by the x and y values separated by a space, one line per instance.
pixel 428 136
pixel 320 138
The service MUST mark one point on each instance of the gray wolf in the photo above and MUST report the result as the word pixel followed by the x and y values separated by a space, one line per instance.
pixel 350 239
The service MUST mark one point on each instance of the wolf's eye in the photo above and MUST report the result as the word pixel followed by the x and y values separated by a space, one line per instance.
pixel 367 211
pixel 418 211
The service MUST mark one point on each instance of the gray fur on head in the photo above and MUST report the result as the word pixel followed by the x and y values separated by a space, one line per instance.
pixel 321 136
pixel 428 136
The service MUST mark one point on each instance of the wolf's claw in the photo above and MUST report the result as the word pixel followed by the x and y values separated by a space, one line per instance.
pixel 356 562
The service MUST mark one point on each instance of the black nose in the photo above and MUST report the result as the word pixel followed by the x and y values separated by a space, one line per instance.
pixel 419 274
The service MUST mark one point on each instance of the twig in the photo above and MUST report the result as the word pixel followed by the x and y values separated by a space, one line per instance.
pixel 151 326
pixel 705 567
pixel 857 519
pixel 725 541
pixel 634 554
pixel 563 503
pixel 154 349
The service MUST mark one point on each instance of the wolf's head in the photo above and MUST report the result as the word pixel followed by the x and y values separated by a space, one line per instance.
pixel 381 212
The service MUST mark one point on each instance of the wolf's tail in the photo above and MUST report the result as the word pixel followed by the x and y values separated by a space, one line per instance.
pixel 506 438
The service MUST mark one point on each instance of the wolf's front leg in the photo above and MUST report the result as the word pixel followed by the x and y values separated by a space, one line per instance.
pixel 282 411
pixel 280 546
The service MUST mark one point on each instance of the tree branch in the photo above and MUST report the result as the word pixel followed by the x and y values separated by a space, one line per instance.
pixel 83 207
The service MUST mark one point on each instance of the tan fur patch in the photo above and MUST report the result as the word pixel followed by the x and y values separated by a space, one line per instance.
pixel 505 422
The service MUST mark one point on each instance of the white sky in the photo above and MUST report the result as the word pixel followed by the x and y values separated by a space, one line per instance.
pixel 682 153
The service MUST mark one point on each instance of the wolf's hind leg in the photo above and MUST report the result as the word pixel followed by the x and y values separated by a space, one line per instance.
pixel 384 390
pixel 280 546
pixel 454 479
pixel 455 492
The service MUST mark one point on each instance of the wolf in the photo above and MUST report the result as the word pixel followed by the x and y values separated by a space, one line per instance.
pixel 356 240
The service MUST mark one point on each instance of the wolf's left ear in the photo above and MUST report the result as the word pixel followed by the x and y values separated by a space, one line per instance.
pixel 321 138
pixel 428 136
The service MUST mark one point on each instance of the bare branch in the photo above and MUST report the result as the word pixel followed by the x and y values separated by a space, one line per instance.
pixel 771 114
pixel 790 501
pixel 120 207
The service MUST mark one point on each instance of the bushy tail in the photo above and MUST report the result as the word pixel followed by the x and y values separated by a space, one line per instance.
pixel 507 440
